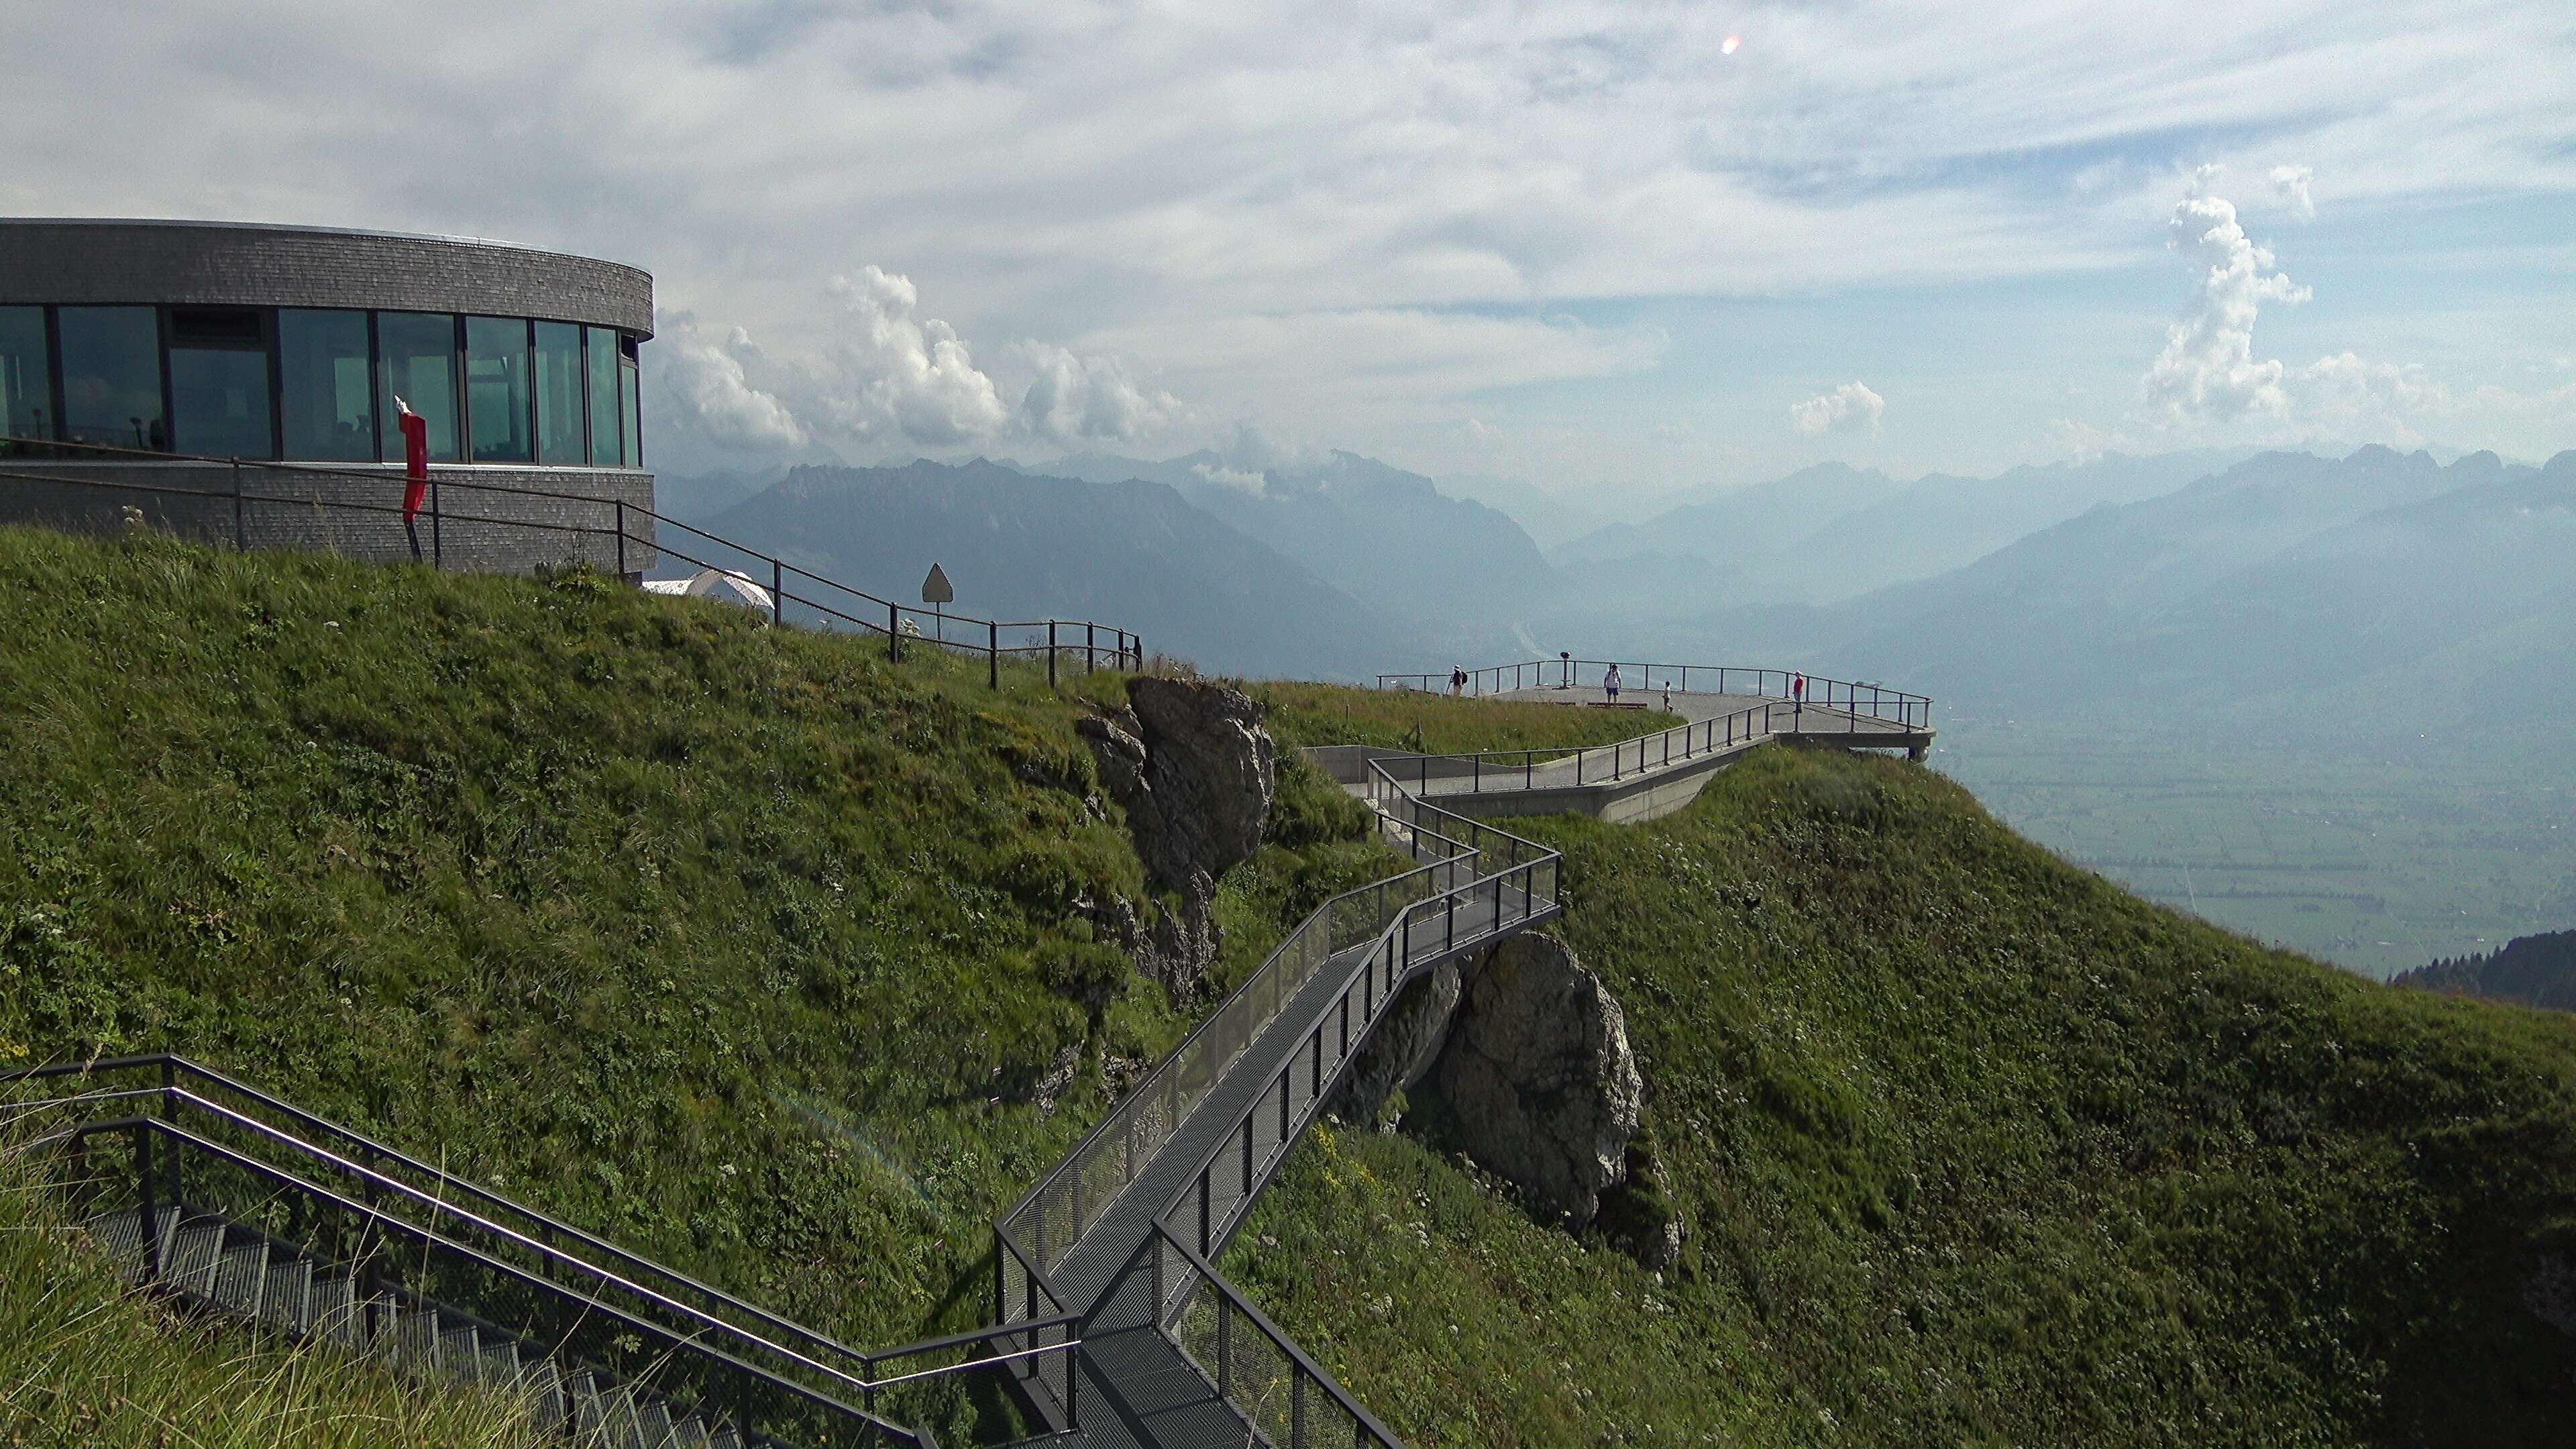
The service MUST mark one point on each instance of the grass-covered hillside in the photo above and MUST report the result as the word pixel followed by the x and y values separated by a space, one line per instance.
pixel 764 955
pixel 743 946
pixel 1973 1148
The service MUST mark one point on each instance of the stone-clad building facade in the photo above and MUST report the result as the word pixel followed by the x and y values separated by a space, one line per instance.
pixel 172 343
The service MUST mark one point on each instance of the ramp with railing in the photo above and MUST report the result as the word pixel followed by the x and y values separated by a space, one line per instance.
pixel 1124 1230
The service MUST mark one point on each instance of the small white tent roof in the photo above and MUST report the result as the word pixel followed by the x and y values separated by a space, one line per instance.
pixel 725 584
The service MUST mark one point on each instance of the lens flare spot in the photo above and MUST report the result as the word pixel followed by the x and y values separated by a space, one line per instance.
pixel 1733 42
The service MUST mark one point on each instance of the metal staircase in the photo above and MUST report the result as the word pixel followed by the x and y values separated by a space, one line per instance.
pixel 241 1272
pixel 237 1203
pixel 1126 1229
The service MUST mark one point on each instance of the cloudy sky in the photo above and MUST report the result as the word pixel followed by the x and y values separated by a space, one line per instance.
pixel 1611 248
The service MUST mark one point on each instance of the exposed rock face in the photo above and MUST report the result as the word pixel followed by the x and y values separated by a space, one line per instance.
pixel 1196 773
pixel 1404 1046
pixel 1539 1076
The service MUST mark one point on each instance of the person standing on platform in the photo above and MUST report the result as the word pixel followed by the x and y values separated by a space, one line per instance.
pixel 1798 696
pixel 1610 684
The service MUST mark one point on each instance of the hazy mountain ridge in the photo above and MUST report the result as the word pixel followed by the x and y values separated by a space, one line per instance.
pixel 1459 573
pixel 1831 533
pixel 1132 553
pixel 2246 582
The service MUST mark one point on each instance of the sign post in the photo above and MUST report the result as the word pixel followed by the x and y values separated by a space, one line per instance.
pixel 936 592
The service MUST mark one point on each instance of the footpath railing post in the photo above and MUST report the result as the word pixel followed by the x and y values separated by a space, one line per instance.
pixel 894 633
pixel 1224 1346
pixel 1090 646
pixel 1050 653
pixel 993 655
pixel 777 592
pixel 143 1182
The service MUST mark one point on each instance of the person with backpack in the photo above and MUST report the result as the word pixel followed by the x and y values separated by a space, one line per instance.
pixel 1610 683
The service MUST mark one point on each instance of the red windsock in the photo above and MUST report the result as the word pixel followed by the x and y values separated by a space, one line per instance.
pixel 415 431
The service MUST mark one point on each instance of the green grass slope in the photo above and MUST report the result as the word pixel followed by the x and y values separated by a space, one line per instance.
pixel 742 946
pixel 1973 1148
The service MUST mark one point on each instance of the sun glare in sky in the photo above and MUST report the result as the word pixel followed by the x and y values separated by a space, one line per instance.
pixel 1732 42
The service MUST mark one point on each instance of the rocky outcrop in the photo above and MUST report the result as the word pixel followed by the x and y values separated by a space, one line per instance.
pixel 1541 1086
pixel 1196 772
pixel 1403 1047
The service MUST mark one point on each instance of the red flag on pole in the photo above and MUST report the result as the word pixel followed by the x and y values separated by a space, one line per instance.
pixel 415 431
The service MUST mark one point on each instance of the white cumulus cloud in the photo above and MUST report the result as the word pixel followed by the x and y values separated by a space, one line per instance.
pixel 2290 183
pixel 1076 398
pixel 705 378
pixel 906 375
pixel 1849 408
pixel 1248 480
pixel 2207 369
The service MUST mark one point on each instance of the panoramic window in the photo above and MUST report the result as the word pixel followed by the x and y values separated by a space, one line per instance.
pixel 219 383
pixel 112 377
pixel 498 394
pixel 559 428
pixel 632 413
pixel 326 401
pixel 603 397
pixel 416 353
pixel 26 378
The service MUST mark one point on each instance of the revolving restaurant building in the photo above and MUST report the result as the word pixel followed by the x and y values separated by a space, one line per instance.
pixel 180 342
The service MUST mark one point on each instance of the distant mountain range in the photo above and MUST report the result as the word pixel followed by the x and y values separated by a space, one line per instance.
pixel 2533 970
pixel 1834 532
pixel 1135 554
pixel 2377 592
pixel 1459 574
pixel 2366 588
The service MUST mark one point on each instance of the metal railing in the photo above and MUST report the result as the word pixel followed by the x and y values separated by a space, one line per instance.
pixel 627 537
pixel 195 1138
pixel 1478 882
pixel 1877 701
pixel 1514 886
pixel 1483 771
pixel 1283 1395
pixel 1461 853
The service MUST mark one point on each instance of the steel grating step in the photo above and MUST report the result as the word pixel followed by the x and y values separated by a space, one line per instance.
pixel 249 1275
pixel 241 1277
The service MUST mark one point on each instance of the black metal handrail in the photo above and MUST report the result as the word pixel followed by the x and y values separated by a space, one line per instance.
pixel 557 1236
pixel 578 1264
pixel 157 1193
pixel 1911 710
pixel 1476 867
pixel 1136 1128
pixel 1329 1042
pixel 851 607
pixel 1278 1401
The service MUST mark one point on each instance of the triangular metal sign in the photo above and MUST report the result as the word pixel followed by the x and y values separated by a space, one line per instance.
pixel 935 589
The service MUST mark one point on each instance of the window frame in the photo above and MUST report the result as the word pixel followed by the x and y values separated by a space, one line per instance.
pixel 269 348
